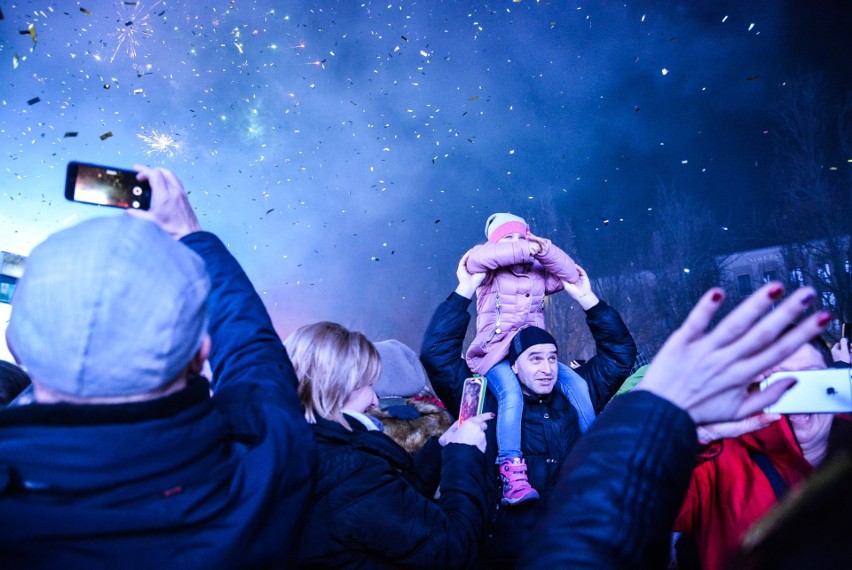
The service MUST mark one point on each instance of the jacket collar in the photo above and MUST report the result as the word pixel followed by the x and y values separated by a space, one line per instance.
pixel 373 442
pixel 62 448
pixel 64 414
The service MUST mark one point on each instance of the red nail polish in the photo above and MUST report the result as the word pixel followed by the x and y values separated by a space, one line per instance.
pixel 716 296
pixel 776 292
pixel 823 319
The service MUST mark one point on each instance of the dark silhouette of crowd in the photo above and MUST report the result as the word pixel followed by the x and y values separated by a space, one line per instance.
pixel 327 450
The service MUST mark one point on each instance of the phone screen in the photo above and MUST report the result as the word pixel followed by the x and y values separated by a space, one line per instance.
pixel 106 186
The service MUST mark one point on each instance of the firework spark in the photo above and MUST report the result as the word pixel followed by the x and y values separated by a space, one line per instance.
pixel 160 143
pixel 133 28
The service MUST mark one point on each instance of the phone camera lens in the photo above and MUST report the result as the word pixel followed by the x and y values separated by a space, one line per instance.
pixel 137 191
pixel 136 204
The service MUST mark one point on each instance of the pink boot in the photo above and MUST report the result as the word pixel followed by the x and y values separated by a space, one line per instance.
pixel 516 487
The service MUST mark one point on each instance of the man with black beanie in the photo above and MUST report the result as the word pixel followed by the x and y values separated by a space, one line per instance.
pixel 552 419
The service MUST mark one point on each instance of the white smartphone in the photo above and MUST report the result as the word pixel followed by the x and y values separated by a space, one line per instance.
pixel 826 391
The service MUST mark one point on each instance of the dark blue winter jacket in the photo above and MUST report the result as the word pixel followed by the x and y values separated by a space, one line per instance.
pixel 373 509
pixel 620 490
pixel 184 481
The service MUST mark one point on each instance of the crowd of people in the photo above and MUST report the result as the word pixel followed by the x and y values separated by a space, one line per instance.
pixel 327 450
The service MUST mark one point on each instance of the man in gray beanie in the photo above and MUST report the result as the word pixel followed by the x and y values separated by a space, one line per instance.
pixel 125 459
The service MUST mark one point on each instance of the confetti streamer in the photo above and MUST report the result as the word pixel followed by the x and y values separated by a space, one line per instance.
pixel 34 100
pixel 70 134
pixel 86 12
pixel 106 135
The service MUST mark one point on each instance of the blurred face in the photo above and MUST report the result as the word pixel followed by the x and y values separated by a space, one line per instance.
pixel 362 399
pixel 536 368
pixel 809 428
pixel 514 237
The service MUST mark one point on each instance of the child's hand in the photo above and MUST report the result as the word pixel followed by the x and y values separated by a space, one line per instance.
pixel 536 243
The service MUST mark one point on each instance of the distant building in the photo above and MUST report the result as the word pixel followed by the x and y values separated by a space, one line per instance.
pixel 745 271
pixel 821 263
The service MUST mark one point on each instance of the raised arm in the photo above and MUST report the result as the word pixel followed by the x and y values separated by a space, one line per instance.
pixel 624 481
pixel 615 349
pixel 490 256
pixel 441 351
pixel 245 348
pixel 558 264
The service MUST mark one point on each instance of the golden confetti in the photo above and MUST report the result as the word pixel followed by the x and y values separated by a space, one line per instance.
pixel 106 135
pixel 86 12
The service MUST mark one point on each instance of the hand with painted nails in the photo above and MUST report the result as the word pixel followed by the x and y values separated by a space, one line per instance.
pixel 471 432
pixel 708 373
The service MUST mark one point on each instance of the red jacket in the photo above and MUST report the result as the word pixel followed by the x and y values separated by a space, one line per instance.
pixel 729 492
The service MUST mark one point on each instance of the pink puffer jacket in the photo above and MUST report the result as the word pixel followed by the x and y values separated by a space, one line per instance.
pixel 512 295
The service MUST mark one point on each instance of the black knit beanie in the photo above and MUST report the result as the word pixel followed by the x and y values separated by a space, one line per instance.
pixel 527 337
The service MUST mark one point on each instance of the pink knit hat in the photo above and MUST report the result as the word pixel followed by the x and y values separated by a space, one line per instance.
pixel 500 225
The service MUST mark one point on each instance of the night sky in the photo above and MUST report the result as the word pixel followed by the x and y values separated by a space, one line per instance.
pixel 349 152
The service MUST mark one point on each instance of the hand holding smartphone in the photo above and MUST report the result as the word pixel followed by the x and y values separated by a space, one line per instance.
pixel 473 397
pixel 106 186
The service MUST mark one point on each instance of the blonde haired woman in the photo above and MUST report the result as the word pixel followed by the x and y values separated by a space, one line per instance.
pixel 372 504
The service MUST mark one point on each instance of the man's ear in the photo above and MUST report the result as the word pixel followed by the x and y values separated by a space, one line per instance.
pixel 515 368
pixel 196 365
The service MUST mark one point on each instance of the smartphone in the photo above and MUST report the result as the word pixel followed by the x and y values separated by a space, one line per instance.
pixel 106 186
pixel 816 392
pixel 845 330
pixel 473 397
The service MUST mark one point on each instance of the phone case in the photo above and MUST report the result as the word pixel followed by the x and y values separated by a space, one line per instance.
pixel 816 392
pixel 106 186
pixel 473 397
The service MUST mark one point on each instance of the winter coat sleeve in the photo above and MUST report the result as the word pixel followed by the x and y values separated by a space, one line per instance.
pixel 441 350
pixel 620 489
pixel 427 466
pixel 490 256
pixel 615 352
pixel 246 352
pixel 558 266
pixel 393 521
